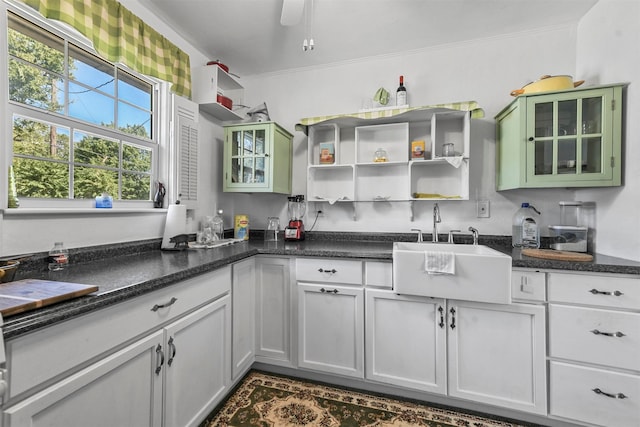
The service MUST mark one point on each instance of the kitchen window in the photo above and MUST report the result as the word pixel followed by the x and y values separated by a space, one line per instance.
pixel 81 126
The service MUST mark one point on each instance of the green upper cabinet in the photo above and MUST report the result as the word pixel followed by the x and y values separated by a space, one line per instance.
pixel 561 139
pixel 257 158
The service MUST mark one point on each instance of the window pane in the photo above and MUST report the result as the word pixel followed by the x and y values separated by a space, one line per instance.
pixel 91 182
pixel 95 150
pixel 41 179
pixel 134 90
pixel 567 117
pixel 543 157
pixel 33 86
pixel 37 139
pixel 592 155
pixel 567 155
pixel 91 70
pixel 88 105
pixel 136 158
pixel 35 45
pixel 134 121
pixel 136 186
pixel 544 119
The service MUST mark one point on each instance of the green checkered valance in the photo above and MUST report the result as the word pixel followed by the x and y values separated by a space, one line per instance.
pixel 120 36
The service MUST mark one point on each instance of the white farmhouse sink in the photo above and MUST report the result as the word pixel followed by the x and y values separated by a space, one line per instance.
pixel 481 274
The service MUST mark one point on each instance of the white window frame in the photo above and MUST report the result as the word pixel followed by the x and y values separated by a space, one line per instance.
pixel 160 130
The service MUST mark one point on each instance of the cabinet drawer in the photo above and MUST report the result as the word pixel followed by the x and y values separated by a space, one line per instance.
pixel 42 355
pixel 602 290
pixel 378 274
pixel 528 285
pixel 605 337
pixel 329 270
pixel 572 395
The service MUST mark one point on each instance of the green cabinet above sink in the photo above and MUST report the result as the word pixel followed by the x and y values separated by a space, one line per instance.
pixel 561 139
pixel 257 158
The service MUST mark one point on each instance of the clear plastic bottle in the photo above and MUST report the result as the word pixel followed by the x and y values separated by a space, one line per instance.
pixel 525 229
pixel 58 257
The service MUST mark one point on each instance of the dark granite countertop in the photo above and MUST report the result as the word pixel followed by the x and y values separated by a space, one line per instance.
pixel 126 271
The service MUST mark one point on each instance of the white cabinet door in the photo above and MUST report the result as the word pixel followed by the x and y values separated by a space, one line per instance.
pixel 273 312
pixel 331 329
pixel 406 341
pixel 197 363
pixel 243 296
pixel 497 354
pixel 124 389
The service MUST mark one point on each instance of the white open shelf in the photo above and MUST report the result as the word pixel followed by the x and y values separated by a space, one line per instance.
pixel 355 176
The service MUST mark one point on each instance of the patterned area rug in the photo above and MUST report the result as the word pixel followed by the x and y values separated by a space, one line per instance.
pixel 264 400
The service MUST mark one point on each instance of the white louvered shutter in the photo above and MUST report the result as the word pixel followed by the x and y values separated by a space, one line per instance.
pixel 186 119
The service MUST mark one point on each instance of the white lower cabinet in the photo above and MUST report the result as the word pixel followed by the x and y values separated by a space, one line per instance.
pixel 331 328
pixel 189 358
pixel 406 341
pixel 489 353
pixel 496 354
pixel 175 370
pixel 273 310
pixel 243 295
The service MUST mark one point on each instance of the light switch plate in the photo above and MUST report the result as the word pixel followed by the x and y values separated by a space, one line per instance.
pixel 482 208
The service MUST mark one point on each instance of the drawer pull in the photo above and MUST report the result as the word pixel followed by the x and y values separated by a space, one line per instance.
pixel 159 306
pixel 597 292
pixel 608 334
pixel 332 271
pixel 611 395
pixel 335 291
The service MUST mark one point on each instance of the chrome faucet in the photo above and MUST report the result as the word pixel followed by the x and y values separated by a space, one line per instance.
pixel 451 235
pixel 436 220
pixel 474 231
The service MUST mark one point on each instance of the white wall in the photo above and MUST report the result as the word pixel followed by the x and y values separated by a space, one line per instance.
pixel 483 70
pixel 608 50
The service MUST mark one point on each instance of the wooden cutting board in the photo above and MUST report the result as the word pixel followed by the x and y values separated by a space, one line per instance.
pixel 28 294
pixel 557 255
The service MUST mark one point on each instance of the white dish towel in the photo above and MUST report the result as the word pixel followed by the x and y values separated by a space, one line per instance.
pixel 440 262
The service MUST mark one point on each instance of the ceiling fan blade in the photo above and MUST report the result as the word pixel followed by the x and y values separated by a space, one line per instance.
pixel 291 12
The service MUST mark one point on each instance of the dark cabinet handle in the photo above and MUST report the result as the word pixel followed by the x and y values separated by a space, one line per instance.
pixel 594 291
pixel 332 271
pixel 172 348
pixel 323 290
pixel 611 395
pixel 441 310
pixel 531 138
pixel 159 359
pixel 159 306
pixel 453 318
pixel 608 334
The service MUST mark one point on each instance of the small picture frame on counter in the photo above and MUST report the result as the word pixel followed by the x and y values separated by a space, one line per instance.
pixel 327 153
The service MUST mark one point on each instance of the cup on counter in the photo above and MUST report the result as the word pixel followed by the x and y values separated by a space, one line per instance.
pixel 448 150
pixel 273 226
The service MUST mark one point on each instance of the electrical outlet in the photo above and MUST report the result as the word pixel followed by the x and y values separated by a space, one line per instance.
pixel 319 213
pixel 482 208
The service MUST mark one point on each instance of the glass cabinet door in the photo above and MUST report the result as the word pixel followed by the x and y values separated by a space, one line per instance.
pixel 566 137
pixel 248 156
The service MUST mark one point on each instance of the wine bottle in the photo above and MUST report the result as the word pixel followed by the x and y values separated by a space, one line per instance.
pixel 401 93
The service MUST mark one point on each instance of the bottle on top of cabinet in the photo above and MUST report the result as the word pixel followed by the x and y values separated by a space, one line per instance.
pixel 401 93
pixel 525 229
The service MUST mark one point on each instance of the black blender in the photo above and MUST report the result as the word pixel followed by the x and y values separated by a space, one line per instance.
pixel 297 208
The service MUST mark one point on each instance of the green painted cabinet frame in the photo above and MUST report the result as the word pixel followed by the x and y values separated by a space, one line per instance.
pixel 257 158
pixel 569 139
